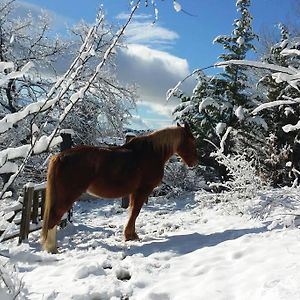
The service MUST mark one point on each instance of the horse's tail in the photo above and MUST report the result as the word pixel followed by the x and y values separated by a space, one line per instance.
pixel 50 196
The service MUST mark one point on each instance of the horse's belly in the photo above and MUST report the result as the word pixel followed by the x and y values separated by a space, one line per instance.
pixel 111 189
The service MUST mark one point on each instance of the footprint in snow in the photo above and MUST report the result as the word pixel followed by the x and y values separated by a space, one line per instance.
pixel 88 270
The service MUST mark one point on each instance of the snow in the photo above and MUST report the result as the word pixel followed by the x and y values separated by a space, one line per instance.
pixel 187 107
pixel 177 6
pixel 220 128
pixel 258 121
pixel 207 102
pixel 290 127
pixel 16 74
pixel 275 103
pixel 217 38
pixel 290 52
pixel 8 167
pixel 224 138
pixel 188 249
pixel 10 119
pixel 257 64
pixel 6 65
pixel 239 112
pixel 241 41
pixel 12 153
pixel 67 131
pixel 239 2
pixel 46 141
pixel 281 74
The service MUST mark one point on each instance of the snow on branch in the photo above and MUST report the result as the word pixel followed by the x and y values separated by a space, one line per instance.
pixel 280 74
pixel 59 89
pixel 275 103
pixel 39 142
pixel 224 138
pixel 9 120
pixel 290 127
pixel 256 64
pixel 5 66
pixel 172 92
pixel 15 74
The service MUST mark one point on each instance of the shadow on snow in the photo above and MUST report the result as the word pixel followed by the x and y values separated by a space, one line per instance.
pixel 184 244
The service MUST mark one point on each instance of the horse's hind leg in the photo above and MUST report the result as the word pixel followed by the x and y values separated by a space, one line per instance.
pixel 137 200
pixel 56 213
pixel 50 244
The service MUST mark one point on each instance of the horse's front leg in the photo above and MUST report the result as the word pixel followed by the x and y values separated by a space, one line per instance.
pixel 137 200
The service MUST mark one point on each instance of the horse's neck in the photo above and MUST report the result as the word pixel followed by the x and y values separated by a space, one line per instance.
pixel 165 142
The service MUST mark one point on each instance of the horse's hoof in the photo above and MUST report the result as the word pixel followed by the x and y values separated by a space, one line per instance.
pixel 131 237
pixel 51 250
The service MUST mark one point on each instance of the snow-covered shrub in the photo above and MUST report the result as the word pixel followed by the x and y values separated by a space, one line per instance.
pixel 11 286
pixel 278 206
pixel 243 184
pixel 179 178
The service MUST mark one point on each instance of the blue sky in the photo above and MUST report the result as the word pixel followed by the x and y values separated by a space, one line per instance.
pixel 162 54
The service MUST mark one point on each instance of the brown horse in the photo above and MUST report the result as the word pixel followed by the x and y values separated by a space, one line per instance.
pixel 134 169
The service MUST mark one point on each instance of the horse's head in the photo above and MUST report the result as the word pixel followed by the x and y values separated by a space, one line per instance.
pixel 187 146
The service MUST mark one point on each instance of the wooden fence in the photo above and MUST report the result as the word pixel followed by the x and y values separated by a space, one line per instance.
pixel 32 212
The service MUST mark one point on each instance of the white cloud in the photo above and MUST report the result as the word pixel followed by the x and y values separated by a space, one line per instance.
pixel 149 34
pixel 154 72
pixel 163 109
pixel 143 30
pixel 125 16
pixel 150 121
pixel 136 122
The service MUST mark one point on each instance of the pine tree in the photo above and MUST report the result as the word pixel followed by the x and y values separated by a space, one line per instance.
pixel 232 83
pixel 223 100
pixel 284 53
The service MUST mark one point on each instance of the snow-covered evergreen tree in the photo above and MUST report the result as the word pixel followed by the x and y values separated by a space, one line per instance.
pixel 284 53
pixel 224 100
pixel 237 45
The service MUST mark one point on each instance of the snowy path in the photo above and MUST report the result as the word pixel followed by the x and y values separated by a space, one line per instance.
pixel 185 253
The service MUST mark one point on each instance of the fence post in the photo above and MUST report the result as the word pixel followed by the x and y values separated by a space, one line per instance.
pixel 26 213
pixel 43 198
pixel 35 207
pixel 125 200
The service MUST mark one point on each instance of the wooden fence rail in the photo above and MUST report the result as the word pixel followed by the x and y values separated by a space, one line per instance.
pixel 32 209
pixel 32 212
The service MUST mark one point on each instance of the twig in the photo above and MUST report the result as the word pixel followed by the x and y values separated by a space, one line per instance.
pixel 172 91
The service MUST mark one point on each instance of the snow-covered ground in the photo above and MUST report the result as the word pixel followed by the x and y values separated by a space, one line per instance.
pixel 188 249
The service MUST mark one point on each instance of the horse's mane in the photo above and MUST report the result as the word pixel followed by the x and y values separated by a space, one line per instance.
pixel 161 141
